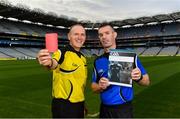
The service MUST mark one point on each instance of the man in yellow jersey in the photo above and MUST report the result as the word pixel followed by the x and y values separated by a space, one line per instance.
pixel 69 75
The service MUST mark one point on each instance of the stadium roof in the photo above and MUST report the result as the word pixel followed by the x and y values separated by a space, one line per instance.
pixel 39 16
pixel 173 17
pixel 36 15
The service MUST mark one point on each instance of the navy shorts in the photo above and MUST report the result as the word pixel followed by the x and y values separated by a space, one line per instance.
pixel 117 111
pixel 65 109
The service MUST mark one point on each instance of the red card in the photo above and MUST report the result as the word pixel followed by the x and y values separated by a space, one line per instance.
pixel 52 42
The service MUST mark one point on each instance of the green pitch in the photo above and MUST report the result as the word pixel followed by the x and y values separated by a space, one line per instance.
pixel 25 89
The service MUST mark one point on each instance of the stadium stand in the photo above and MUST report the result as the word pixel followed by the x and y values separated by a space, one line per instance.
pixel 34 49
pixel 169 51
pixel 13 53
pixel 27 52
pixel 152 51
pixel 139 50
pixel 2 55
pixel 178 52
pixel 21 39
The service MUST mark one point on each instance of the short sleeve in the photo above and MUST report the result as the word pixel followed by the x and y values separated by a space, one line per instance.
pixel 140 66
pixel 56 55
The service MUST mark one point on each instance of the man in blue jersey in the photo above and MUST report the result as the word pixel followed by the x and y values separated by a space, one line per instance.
pixel 115 100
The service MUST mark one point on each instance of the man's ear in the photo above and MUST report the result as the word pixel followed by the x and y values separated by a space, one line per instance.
pixel 68 36
pixel 115 34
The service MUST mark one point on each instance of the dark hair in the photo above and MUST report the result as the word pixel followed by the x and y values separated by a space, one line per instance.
pixel 105 24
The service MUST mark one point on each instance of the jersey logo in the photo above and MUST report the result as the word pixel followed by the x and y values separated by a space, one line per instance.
pixel 73 64
pixel 101 72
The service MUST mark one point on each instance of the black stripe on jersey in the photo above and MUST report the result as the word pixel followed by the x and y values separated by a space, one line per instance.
pixel 70 91
pixel 68 71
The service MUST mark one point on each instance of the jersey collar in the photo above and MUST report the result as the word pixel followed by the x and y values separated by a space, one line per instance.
pixel 70 48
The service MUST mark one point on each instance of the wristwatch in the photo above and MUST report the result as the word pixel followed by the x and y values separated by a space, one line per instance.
pixel 139 78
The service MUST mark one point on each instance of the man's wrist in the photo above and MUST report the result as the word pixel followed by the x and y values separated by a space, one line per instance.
pixel 138 80
pixel 51 65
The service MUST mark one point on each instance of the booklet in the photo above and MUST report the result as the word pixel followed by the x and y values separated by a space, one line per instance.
pixel 121 64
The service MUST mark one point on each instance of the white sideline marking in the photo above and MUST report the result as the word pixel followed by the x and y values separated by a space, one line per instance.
pixel 93 115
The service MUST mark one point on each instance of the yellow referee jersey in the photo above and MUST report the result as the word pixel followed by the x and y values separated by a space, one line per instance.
pixel 69 78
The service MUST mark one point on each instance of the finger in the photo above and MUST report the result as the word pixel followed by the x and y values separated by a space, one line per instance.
pixel 46 57
pixel 136 72
pixel 43 54
pixel 104 84
pixel 46 62
pixel 43 60
pixel 44 50
pixel 136 76
pixel 104 79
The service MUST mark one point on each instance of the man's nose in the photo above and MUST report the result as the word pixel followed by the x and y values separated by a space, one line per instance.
pixel 80 36
pixel 103 36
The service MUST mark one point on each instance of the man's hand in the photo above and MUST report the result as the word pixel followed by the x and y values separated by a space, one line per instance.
pixel 103 83
pixel 136 74
pixel 44 58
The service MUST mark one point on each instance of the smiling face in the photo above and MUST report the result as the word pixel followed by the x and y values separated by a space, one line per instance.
pixel 107 37
pixel 77 36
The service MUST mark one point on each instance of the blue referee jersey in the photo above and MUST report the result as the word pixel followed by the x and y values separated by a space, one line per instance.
pixel 114 94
